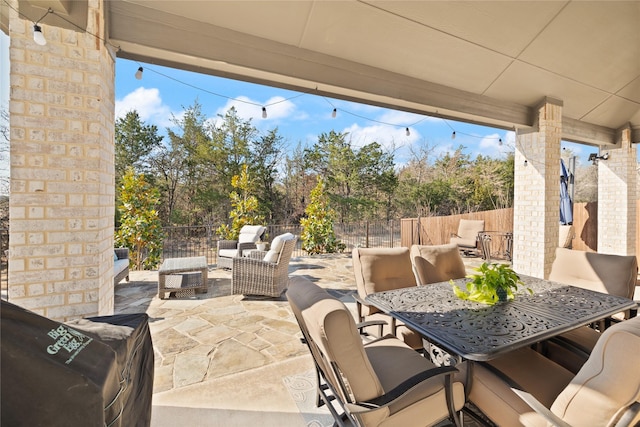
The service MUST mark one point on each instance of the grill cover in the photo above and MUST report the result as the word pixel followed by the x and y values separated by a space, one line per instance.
pixel 88 372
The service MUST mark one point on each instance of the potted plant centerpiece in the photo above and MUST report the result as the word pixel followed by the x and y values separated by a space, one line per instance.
pixel 493 283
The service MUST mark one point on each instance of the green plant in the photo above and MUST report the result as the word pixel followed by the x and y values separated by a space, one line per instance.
pixel 140 229
pixel 245 207
pixel 318 236
pixel 492 283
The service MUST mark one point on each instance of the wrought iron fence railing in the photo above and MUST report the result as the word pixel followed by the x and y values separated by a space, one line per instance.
pixel 202 240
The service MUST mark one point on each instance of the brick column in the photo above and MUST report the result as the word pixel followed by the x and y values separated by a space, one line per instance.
pixel 62 172
pixel 617 180
pixel 536 209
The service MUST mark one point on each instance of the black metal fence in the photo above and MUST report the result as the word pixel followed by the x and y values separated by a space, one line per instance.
pixel 202 240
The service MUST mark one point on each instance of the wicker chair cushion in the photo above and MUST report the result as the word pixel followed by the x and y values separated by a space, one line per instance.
pixel 276 246
pixel 250 233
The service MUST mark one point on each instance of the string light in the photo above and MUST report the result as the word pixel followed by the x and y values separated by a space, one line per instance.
pixel 38 37
pixel 53 12
pixel 500 142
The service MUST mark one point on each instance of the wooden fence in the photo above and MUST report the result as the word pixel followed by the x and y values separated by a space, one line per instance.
pixel 437 230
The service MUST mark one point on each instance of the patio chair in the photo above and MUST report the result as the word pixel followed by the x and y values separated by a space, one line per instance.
pixel 467 236
pixel 229 249
pixel 525 388
pixel 611 274
pixel 268 274
pixel 381 383
pixel 437 263
pixel 383 269
pixel 565 236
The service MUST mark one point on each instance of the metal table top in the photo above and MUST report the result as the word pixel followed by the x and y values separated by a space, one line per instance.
pixel 480 332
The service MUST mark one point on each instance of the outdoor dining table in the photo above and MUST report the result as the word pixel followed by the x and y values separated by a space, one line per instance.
pixel 477 332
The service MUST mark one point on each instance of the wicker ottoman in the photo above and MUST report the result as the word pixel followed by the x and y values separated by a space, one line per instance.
pixel 184 276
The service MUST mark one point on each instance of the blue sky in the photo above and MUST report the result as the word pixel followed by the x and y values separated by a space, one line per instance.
pixel 299 117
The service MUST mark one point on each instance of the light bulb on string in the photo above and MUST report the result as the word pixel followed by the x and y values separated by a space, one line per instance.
pixel 38 37
pixel 334 113
pixel 407 132
pixel 453 135
pixel 139 73
pixel 264 112
pixel 500 142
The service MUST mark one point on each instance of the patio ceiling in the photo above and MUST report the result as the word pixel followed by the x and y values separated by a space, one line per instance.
pixel 488 62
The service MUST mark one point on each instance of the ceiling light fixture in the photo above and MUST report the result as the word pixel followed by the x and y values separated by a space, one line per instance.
pixel 139 73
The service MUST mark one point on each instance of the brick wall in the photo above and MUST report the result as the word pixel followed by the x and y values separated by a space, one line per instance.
pixel 617 199
pixel 62 173
pixel 537 193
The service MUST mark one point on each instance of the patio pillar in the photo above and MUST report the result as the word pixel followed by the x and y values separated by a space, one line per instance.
pixel 62 171
pixel 536 207
pixel 617 209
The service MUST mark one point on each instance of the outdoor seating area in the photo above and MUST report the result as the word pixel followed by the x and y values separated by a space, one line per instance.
pixel 229 359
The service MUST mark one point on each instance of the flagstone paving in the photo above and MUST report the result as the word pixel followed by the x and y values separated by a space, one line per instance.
pixel 226 355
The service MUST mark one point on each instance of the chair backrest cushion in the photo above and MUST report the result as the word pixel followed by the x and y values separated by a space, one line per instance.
pixel 437 263
pixel 335 338
pixel 469 228
pixel 381 269
pixel 613 274
pixel 251 233
pixel 608 382
pixel 565 236
pixel 273 254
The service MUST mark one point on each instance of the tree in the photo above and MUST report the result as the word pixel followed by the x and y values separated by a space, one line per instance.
pixel 135 142
pixel 317 233
pixel 360 182
pixel 141 229
pixel 245 207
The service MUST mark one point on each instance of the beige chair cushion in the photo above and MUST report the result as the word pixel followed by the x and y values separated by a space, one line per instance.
pixel 608 382
pixel 276 246
pixel 368 370
pixel 382 269
pixel 565 236
pixel 612 274
pixel 437 263
pixel 250 233
pixel 605 386
pixel 468 230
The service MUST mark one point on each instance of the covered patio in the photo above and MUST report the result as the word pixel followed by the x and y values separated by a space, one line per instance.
pixel 549 71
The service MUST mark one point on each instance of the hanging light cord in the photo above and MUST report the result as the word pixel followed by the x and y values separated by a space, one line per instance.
pixel 335 109
pixel 50 11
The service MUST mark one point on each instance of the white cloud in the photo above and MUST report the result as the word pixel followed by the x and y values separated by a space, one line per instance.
pixel 148 104
pixel 389 137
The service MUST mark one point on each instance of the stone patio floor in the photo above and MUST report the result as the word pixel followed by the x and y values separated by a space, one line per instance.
pixel 220 359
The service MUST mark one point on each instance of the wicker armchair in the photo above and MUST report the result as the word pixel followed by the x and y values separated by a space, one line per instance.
pixel 265 274
pixel 229 249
